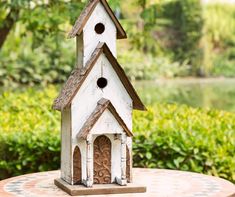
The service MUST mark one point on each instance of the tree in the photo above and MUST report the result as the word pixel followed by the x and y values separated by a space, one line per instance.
pixel 38 17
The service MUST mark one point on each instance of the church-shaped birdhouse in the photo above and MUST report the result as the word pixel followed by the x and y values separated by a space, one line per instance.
pixel 96 105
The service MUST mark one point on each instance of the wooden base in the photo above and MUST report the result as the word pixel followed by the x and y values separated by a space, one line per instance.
pixel 98 189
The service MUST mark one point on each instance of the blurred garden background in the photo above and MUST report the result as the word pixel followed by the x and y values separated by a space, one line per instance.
pixel 180 56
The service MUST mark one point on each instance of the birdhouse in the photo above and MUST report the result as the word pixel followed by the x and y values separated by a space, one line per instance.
pixel 96 105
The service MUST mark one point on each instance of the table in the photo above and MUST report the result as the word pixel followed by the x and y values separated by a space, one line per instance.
pixel 160 183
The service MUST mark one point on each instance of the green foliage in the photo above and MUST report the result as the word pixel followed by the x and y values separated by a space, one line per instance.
pixel 220 24
pixel 41 18
pixel 184 138
pixel 50 63
pixel 138 66
pixel 26 152
pixel 220 38
pixel 29 132
pixel 224 63
pixel 186 28
pixel 165 37
pixel 167 136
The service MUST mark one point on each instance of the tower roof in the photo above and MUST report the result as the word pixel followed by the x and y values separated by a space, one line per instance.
pixel 102 105
pixel 79 75
pixel 85 15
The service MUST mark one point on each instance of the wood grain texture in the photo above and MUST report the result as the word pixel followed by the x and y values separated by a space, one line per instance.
pixel 86 13
pixel 99 189
pixel 78 76
pixel 77 170
pixel 102 160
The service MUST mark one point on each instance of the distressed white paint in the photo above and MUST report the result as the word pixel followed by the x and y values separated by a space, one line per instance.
pixel 66 153
pixel 91 38
pixel 89 160
pixel 86 100
pixel 107 124
pixel 116 158
pixel 123 160
pixel 89 94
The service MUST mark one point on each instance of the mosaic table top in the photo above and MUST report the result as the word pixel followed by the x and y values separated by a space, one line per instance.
pixel 160 183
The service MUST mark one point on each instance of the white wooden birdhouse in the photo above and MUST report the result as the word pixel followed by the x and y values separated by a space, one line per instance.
pixel 96 105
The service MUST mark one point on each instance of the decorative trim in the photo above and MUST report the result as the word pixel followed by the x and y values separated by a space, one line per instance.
pixel 123 160
pixel 102 160
pixel 89 181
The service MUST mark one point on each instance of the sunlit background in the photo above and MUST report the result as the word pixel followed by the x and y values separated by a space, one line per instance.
pixel 179 55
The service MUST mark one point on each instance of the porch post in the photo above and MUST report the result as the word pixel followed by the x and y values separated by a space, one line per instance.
pixel 89 182
pixel 123 180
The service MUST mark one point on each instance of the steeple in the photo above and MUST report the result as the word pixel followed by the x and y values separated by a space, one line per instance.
pixel 97 23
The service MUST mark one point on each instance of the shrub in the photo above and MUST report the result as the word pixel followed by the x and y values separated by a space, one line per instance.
pixel 29 132
pixel 184 138
pixel 167 136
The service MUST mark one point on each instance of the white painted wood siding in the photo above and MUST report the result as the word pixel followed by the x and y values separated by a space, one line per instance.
pixel 66 153
pixel 107 124
pixel 91 38
pixel 89 94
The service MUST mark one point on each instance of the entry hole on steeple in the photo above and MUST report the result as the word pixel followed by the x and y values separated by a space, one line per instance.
pixel 102 82
pixel 99 28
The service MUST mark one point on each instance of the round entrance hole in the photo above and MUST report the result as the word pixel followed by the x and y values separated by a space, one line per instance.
pixel 99 28
pixel 102 82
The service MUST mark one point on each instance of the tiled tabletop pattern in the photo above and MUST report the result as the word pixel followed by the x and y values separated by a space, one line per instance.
pixel 160 183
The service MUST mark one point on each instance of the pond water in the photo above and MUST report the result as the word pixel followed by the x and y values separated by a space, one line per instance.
pixel 209 93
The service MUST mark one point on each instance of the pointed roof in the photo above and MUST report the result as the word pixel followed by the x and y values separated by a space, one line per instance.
pixel 78 76
pixel 102 105
pixel 85 15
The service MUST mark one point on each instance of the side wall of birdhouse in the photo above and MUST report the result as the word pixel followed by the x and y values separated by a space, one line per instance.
pixel 66 152
pixel 91 38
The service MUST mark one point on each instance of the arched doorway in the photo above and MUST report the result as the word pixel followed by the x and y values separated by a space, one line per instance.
pixel 77 175
pixel 128 165
pixel 102 160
